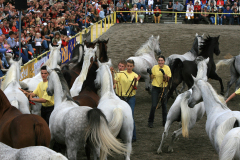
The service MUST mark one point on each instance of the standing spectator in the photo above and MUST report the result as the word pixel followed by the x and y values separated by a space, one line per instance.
pixel 220 4
pixel 190 5
pixel 235 16
pixel 227 17
pixel 141 15
pixel 133 13
pixel 57 37
pixel 128 4
pixel 142 3
pixel 178 7
pixel 212 16
pixel 212 1
pixel 189 14
pixel 149 14
pixel 157 15
pixel 205 14
pixel 120 4
pixel 125 15
pixel 169 7
pixel 38 44
pixel 102 16
pixel 150 2
pixel 5 28
pixel 157 3
pixel 197 7
pixel 220 17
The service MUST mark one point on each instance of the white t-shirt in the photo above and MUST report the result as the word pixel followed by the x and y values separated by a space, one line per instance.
pixel 150 2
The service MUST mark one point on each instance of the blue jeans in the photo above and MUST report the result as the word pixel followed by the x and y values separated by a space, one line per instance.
pixel 4 60
pixel 126 17
pixel 68 30
pixel 132 101
pixel 156 93
pixel 219 20
pixel 24 56
pixel 30 48
pixel 212 19
pixel 45 44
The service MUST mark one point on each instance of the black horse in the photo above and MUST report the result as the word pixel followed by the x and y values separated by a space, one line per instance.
pixel 183 71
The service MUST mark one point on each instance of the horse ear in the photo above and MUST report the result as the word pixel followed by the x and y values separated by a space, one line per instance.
pixel 202 35
pixel 196 34
pixel 190 90
pixel 207 60
pixel 158 37
pixel 107 40
pixel 99 63
pixel 50 46
pixel 95 49
pixel 85 47
pixel 194 79
pixel 48 69
pixel 218 37
pixel 109 63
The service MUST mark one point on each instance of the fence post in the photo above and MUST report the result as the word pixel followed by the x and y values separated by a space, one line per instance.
pixel 105 24
pixel 101 28
pixel 136 17
pixel 112 19
pixel 108 17
pixel 91 33
pixel 80 37
pixel 175 17
pixel 115 17
pixel 215 18
pixel 96 30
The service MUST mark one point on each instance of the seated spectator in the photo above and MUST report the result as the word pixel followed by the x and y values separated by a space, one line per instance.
pixel 128 4
pixel 1 26
pixel 235 16
pixel 212 6
pixel 65 40
pixel 220 17
pixel 227 3
pixel 220 4
pixel 13 27
pixel 187 3
pixel 46 37
pixel 189 14
pixel 157 3
pixel 199 2
pixel 197 7
pixel 125 15
pixel 227 17
pixel 178 7
pixel 149 14
pixel 157 15
pixel 212 1
pixel 13 43
pixel 150 2
pixel 203 5
pixel 203 1
pixel 2 51
pixel 141 15
pixel 120 4
pixel 133 13
pixel 119 15
pixel 105 5
pixel 190 5
pixel 57 37
pixel 234 6
pixel 107 12
pixel 38 44
pixel 5 28
pixel 212 15
pixel 169 7
pixel 142 3
pixel 205 14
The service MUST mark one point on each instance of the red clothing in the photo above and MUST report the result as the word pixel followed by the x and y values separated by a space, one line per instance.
pixel 64 43
pixel 220 3
pixel 204 1
pixel 198 7
pixel 14 29
pixel 5 30
pixel 98 10
pixel 155 11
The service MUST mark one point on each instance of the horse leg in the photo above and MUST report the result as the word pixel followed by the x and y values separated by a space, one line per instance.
pixel 216 77
pixel 126 136
pixel 164 135
pixel 174 138
pixel 71 150
pixel 174 87
pixel 96 153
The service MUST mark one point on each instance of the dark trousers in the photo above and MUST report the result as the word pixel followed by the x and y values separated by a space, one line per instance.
pixel 46 112
pixel 38 50
pixel 156 93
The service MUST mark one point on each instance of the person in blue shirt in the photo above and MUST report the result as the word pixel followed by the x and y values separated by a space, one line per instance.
pixel 2 51
pixel 227 16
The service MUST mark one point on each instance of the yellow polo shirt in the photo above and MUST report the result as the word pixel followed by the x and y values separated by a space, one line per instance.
pixel 238 91
pixel 125 79
pixel 41 92
pixel 118 85
pixel 158 76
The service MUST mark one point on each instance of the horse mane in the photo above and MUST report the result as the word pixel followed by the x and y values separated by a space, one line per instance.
pixel 103 53
pixel 48 62
pixel 10 76
pixel 204 47
pixel 195 45
pixel 64 84
pixel 144 49
pixel 218 98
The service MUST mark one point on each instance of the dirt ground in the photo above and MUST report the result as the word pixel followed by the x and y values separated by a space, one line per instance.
pixel 125 39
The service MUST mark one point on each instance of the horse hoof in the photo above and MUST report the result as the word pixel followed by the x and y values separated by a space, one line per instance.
pixel 159 151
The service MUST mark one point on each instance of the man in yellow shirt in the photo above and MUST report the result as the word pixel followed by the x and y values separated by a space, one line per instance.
pixel 41 91
pixel 160 75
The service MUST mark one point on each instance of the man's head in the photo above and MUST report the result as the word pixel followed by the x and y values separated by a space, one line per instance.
pixel 44 73
pixel 11 34
pixel 190 2
pixel 124 5
pixel 122 65
pixel 176 2
pixel 228 7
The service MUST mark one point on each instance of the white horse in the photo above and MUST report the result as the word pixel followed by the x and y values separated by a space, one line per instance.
pixel 145 58
pixel 11 87
pixel 117 112
pixel 72 125
pixel 53 62
pixel 190 55
pixel 29 153
pixel 234 64
pixel 220 119
pixel 180 110
pixel 77 85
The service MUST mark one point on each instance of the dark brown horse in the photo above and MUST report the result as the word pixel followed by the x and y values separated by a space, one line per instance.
pixel 19 130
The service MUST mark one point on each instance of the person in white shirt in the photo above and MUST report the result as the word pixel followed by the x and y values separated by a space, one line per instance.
pixel 150 2
pixel 190 5
pixel 149 15
pixel 189 14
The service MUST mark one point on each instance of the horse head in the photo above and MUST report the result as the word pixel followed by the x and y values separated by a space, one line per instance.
pixel 100 72
pixel 155 44
pixel 103 57
pixel 54 57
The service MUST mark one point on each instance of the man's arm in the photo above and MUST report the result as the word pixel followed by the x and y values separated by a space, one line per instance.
pixel 39 100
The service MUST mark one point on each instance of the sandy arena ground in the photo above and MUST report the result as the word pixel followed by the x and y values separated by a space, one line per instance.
pixel 124 40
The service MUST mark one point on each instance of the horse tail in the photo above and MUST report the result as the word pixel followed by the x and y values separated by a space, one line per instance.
pixel 58 156
pixel 116 124
pixel 39 133
pixel 224 128
pixel 15 103
pixel 230 145
pixel 185 113
pixel 99 134
pixel 225 62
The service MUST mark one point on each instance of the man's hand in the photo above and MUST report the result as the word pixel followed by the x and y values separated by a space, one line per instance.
pixel 149 71
pixel 162 71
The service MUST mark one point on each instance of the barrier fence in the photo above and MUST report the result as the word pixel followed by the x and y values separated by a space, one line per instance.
pixel 175 14
pixel 31 68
